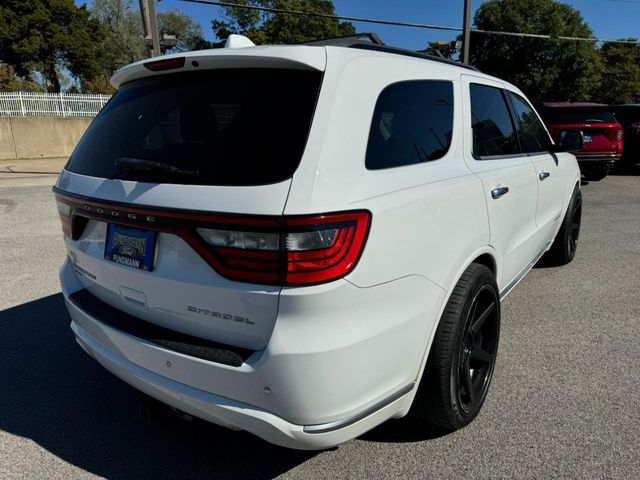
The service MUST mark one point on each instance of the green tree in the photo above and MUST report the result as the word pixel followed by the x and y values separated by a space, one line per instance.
pixel 121 41
pixel 545 69
pixel 10 82
pixel 621 84
pixel 188 33
pixel 47 37
pixel 270 28
pixel 122 38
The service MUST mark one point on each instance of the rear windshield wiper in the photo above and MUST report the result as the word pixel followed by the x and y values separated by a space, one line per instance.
pixel 142 164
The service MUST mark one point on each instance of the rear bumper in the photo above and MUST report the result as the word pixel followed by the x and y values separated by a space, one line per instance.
pixel 233 414
pixel 598 160
pixel 311 388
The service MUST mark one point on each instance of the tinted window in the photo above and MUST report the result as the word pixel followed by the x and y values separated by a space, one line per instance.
pixel 583 116
pixel 216 127
pixel 493 132
pixel 412 123
pixel 531 133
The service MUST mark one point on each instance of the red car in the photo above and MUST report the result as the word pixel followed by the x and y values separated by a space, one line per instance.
pixel 602 134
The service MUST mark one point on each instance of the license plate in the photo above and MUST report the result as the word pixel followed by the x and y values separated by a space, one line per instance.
pixel 588 138
pixel 132 247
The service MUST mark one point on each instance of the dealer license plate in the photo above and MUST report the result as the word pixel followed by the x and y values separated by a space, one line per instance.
pixel 132 247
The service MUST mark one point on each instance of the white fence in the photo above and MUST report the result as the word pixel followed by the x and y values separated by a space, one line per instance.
pixel 27 104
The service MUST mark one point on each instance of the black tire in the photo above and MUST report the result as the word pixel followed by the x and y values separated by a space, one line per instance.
pixel 596 174
pixel 564 247
pixel 462 358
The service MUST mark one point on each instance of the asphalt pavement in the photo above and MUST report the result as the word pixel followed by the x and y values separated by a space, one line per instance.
pixel 564 402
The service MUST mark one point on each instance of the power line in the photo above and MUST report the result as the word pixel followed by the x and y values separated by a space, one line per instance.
pixel 408 24
pixel 631 2
pixel 324 15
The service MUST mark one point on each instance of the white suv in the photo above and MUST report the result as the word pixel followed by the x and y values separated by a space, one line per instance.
pixel 305 241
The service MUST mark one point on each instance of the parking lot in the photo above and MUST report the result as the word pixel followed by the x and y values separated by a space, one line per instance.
pixel 564 402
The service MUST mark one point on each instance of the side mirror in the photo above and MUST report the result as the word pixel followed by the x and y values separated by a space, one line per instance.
pixel 569 140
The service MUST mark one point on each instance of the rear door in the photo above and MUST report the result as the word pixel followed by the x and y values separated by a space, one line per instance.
pixel 552 180
pixel 172 192
pixel 508 176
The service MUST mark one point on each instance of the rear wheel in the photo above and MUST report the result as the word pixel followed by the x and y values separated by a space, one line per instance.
pixel 565 244
pixel 460 366
pixel 596 174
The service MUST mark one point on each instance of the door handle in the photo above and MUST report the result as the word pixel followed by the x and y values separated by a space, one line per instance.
pixel 498 192
pixel 543 175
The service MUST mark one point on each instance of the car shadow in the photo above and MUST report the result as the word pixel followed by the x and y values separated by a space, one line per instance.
pixel 52 393
pixel 404 430
pixel 626 170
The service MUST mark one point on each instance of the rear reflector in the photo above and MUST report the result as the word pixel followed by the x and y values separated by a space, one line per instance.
pixel 165 64
pixel 284 250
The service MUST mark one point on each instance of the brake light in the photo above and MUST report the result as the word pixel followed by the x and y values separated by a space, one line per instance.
pixel 301 250
pixel 165 64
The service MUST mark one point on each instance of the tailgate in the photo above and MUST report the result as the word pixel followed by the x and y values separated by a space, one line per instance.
pixel 155 195
pixel 601 138
pixel 181 290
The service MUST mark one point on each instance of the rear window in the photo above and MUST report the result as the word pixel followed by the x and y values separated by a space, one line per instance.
pixel 579 117
pixel 215 127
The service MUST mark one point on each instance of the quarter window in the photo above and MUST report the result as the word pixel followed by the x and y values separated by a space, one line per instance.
pixel 493 132
pixel 533 137
pixel 412 123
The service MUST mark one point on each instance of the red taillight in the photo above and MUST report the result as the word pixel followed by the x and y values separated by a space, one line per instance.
pixel 299 251
pixel 165 64
pixel 318 265
pixel 72 224
pixel 283 250
pixel 65 210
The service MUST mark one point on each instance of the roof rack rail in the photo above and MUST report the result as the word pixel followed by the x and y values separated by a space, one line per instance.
pixel 348 40
pixel 411 53
pixel 373 42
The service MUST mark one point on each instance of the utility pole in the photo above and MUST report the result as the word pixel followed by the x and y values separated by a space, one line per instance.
pixel 150 26
pixel 466 32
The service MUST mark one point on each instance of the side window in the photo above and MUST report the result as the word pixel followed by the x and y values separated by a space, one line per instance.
pixel 493 132
pixel 412 123
pixel 533 137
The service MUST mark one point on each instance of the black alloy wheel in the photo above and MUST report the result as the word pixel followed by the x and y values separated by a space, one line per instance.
pixel 574 227
pixel 596 174
pixel 564 247
pixel 479 349
pixel 463 355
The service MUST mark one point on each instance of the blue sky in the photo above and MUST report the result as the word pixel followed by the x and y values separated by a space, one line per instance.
pixel 608 19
